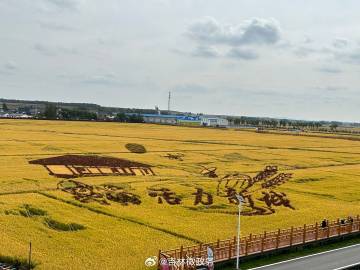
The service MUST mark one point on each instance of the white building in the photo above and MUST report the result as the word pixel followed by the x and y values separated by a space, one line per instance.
pixel 214 122
pixel 15 115
pixel 160 119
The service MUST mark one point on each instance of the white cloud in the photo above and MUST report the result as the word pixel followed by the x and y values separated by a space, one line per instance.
pixel 191 89
pixel 305 51
pixel 254 31
pixel 243 54
pixel 100 80
pixel 329 69
pixel 123 36
pixel 206 52
pixel 10 65
pixel 56 26
pixel 340 43
pixel 64 4
pixel 351 57
pixel 339 50
pixel 331 88
pixel 54 50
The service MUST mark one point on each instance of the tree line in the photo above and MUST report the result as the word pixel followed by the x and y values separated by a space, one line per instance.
pixel 134 116
pixel 281 123
pixel 51 112
pixel 129 118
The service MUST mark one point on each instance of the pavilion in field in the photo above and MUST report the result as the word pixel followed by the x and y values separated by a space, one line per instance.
pixel 72 166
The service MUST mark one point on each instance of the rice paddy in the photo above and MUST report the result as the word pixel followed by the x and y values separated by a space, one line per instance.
pixel 104 229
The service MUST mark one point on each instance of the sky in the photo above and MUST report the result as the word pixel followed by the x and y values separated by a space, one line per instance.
pixel 287 59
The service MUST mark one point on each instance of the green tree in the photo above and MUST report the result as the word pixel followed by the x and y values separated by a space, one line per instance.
pixel 318 125
pixel 50 111
pixel 135 118
pixel 283 123
pixel 121 117
pixel 76 114
pixel 236 121
pixel 5 107
pixel 334 125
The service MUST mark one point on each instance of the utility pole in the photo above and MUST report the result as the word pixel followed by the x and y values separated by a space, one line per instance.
pixel 240 200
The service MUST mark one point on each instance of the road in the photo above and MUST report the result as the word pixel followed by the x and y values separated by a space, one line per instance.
pixel 330 260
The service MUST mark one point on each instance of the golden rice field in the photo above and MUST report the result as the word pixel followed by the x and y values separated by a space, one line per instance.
pixel 325 183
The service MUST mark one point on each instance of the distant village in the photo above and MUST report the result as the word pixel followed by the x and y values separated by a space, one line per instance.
pixel 72 111
pixel 22 109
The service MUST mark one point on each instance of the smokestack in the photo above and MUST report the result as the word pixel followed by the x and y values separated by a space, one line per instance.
pixel 169 101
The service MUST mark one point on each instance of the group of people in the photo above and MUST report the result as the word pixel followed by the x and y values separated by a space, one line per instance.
pixel 349 220
pixel 343 221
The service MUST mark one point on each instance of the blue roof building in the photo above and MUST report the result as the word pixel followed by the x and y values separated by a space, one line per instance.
pixel 171 119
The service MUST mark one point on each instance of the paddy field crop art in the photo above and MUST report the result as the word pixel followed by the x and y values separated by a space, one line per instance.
pixel 108 195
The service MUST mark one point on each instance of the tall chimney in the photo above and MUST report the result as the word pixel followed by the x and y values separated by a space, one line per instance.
pixel 169 101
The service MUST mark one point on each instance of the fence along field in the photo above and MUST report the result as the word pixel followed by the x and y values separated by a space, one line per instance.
pixel 126 218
